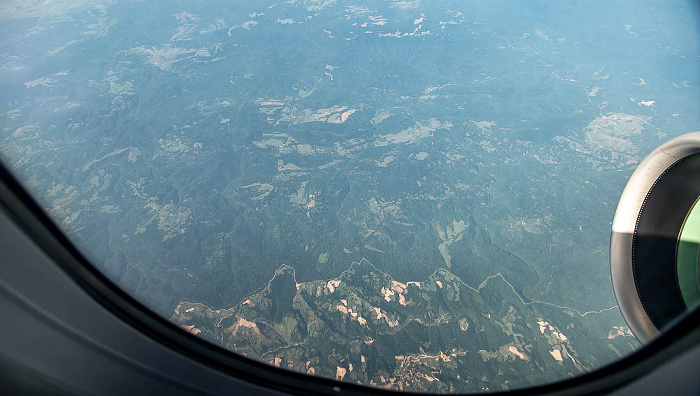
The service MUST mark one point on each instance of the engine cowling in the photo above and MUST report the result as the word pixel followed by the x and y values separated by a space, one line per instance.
pixel 655 238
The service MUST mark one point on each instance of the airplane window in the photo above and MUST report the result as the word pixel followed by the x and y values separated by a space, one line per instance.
pixel 415 195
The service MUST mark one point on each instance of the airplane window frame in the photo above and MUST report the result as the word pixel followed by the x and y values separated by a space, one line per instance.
pixel 21 208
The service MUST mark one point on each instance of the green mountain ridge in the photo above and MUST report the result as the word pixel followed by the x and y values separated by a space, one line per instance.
pixel 437 335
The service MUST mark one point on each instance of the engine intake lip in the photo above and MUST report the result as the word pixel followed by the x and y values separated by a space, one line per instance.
pixel 649 219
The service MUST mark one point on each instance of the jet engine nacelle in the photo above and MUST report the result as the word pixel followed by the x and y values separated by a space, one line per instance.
pixel 656 238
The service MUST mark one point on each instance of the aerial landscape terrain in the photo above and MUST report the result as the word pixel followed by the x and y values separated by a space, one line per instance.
pixel 414 195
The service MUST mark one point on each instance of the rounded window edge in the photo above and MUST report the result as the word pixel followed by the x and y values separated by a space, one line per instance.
pixel 18 205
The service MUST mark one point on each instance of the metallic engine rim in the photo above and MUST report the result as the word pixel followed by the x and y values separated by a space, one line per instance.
pixel 624 226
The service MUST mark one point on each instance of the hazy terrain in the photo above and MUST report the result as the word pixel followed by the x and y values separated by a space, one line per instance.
pixel 229 162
